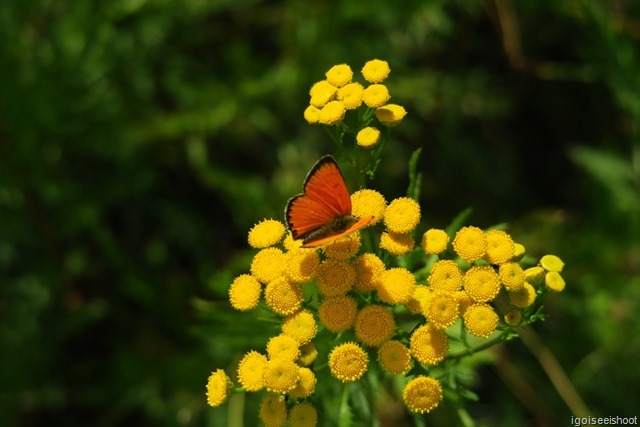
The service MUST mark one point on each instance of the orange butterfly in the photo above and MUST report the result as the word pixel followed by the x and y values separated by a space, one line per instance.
pixel 322 213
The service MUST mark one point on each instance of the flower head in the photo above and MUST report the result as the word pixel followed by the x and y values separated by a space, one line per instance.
pixel 511 276
pixel 552 263
pixel 351 95
pixel 422 394
pixel 396 243
pixel 344 248
pixel 335 277
pixel 554 281
pixel 445 275
pixel 470 243
pixel 273 411
pixel 268 264
pixel 443 310
pixel 339 75
pixel 394 357
pixel 419 302
pixel 368 269
pixel 244 292
pixel 306 384
pixel 402 215
pixel 464 300
pixel 481 283
pixel 338 313
pixel 266 233
pixel 303 415
pixel 348 362
pixel 283 297
pixel 375 71
pixel 218 388
pixel 333 112
pixel 376 95
pixel 308 354
pixel 312 114
pixel 480 320
pixel 435 241
pixel 428 345
pixel 396 286
pixel 518 252
pixel 302 266
pixel 301 326
pixel 500 247
pixel 367 203
pixel 534 275
pixel 251 371
pixel 321 93
pixel 390 114
pixel 283 346
pixel 368 137
pixel 281 375
pixel 513 317
pixel 374 325
pixel 524 297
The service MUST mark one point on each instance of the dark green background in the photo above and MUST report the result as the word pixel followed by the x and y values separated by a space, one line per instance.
pixel 140 140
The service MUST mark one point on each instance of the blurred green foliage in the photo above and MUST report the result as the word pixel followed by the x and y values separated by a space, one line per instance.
pixel 140 140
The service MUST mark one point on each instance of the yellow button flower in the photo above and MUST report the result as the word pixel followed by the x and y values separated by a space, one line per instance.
pixel 534 275
pixel 268 264
pixel 306 384
pixel 428 345
pixel 396 286
pixel 333 112
pixel 500 247
pixel 348 362
pixel 443 310
pixel 308 354
pixel 251 371
pixel 435 241
pixel 301 326
pixel 470 243
pixel 303 415
pixel 283 297
pixel 554 281
pixel 518 252
pixel 312 114
pixel 376 95
pixel 552 263
pixel 335 277
pixel 480 320
pixel 266 233
pixel 302 266
pixel 511 276
pixel 321 93
pixel 368 137
pixel 339 75
pixel 281 375
pixel 283 346
pixel 368 203
pixel 513 317
pixel 445 275
pixel 396 243
pixel 524 297
pixel 218 388
pixel 338 313
pixel 391 114
pixel 419 302
pixel 351 95
pixel 244 292
pixel 481 283
pixel 402 215
pixel 422 394
pixel 344 248
pixel 374 325
pixel 368 269
pixel 273 411
pixel 375 71
pixel 394 357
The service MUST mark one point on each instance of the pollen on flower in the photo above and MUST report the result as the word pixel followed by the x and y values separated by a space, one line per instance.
pixel 338 313
pixel 283 297
pixel 511 276
pixel 396 286
pixel 368 269
pixel 301 326
pixel 292 245
pixel 394 357
pixel 402 215
pixel 268 264
pixel 481 283
pixel 464 300
pixel 376 95
pixel 396 243
pixel 303 415
pixel 368 137
pixel 480 320
pixel 321 93
pixel 391 114
pixel 333 112
pixel 368 203
pixel 251 370
pixel 351 95
pixel 348 362
pixel 374 325
pixel 552 263
pixel 513 317
pixel 435 241
pixel 445 275
pixel 312 114
pixel 218 388
pixel 306 384
pixel 470 243
pixel 443 310
pixel 344 248
pixel 335 277
pixel 244 292
pixel 283 346
pixel 281 375
pixel 273 411
pixel 302 266
pixel 554 281
pixel 428 345
pixel 375 71
pixel 339 75
pixel 308 354
pixel 524 297
pixel 500 247
pixel 266 233
pixel 422 394
pixel 420 300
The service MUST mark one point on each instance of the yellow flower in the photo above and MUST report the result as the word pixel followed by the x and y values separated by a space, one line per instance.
pixel 375 71
pixel 376 95
pixel 396 286
pixel 422 394
pixel 338 313
pixel 273 411
pixel 333 112
pixel 374 325
pixel 464 300
pixel 268 264
pixel 511 276
pixel 367 203
pixel 281 375
pixel 351 95
pixel 534 275
pixel 394 357
pixel 518 252
pixel 435 241
pixel 554 281
pixel 303 415
pixel 312 114
pixel 302 266
pixel 339 75
pixel 500 247
pixel 481 283
pixel 368 137
pixel 524 297
pixel 300 325
pixel 368 269
pixel 283 346
pixel 402 215
pixel 419 302
pixel 513 317
pixel 348 362
pixel 321 93
pixel 443 310
pixel 244 292
pixel 470 243
pixel 335 277
pixel 344 248
pixel 292 245
pixel 218 388
pixel 266 233
pixel 428 345
pixel 283 296
pixel 308 354
pixel 552 263
pixel 306 384
pixel 480 320
pixel 445 275
pixel 390 114
pixel 396 243
pixel 251 371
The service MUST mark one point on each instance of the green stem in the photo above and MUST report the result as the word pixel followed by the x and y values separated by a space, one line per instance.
pixel 472 350
pixel 345 413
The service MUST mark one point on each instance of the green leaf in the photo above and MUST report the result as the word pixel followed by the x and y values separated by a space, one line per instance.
pixel 415 177
pixel 457 222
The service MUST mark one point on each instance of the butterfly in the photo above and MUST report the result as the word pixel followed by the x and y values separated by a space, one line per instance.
pixel 322 213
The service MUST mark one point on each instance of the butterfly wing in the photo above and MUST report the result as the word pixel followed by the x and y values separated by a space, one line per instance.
pixel 332 238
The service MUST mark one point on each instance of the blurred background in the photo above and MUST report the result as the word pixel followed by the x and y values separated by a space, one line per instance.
pixel 141 140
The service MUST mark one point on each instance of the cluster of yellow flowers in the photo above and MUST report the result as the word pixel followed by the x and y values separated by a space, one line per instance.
pixel 332 98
